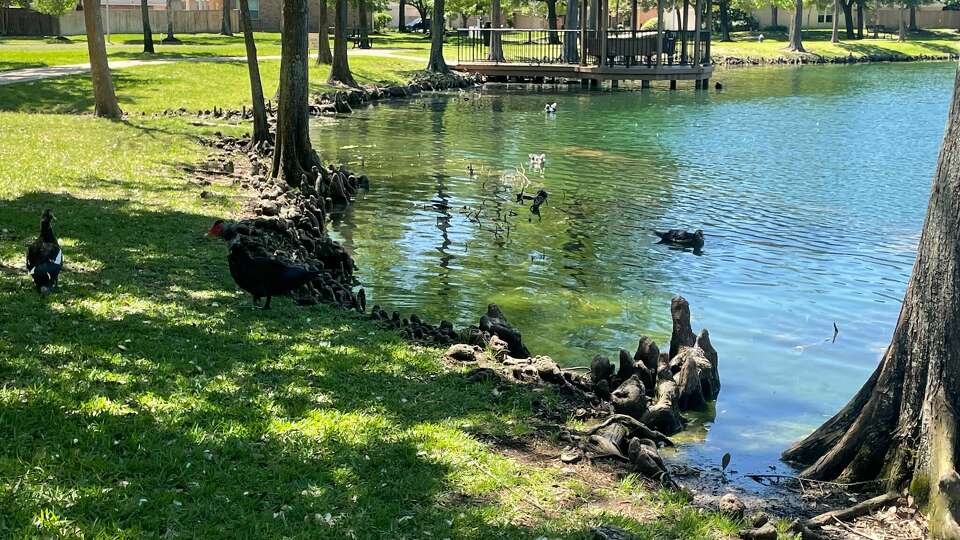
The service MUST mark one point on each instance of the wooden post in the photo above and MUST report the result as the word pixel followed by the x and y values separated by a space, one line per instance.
pixel 645 83
pixel 584 23
pixel 684 26
pixel 659 32
pixel 634 15
pixel 673 84
pixel 709 25
pixel 602 22
pixel 698 26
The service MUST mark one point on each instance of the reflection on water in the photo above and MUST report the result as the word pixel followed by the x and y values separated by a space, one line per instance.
pixel 810 185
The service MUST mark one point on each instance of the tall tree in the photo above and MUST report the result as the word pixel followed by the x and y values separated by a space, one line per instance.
pixel 835 33
pixel 901 427
pixel 847 7
pixel 147 32
pixel 225 24
pixel 774 12
pixel 104 98
pixel 901 24
pixel 553 37
pixel 364 24
pixel 261 132
pixel 861 21
pixel 724 8
pixel 324 56
pixel 402 23
pixel 496 47
pixel 796 29
pixel 913 18
pixel 170 37
pixel 340 70
pixel 55 8
pixel 570 47
pixel 436 63
pixel 293 155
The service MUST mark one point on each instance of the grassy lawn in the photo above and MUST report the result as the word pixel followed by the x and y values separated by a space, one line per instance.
pixel 817 42
pixel 146 399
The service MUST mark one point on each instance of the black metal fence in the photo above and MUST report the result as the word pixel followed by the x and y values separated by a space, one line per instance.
pixel 620 48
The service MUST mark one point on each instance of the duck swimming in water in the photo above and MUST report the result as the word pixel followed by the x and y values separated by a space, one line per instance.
pixel 681 237
pixel 550 107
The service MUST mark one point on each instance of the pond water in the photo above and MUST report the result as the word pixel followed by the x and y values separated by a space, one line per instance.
pixel 810 184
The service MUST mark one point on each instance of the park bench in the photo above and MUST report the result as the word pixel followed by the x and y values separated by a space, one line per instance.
pixel 354 38
pixel 878 29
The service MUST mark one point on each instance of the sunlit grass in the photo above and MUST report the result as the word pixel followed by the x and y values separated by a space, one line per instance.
pixel 817 42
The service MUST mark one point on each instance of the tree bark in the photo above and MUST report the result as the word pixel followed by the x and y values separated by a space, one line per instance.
pixel 496 48
pixel 340 70
pixel 913 18
pixel 860 21
pixel 901 427
pixel 552 37
pixel 876 21
pixel 773 16
pixel 847 7
pixel 170 37
pixel 104 97
pixel 225 27
pixel 835 34
pixel 402 25
pixel 260 130
pixel 364 25
pixel 324 56
pixel 796 29
pixel 293 155
pixel 570 53
pixel 147 32
pixel 436 63
pixel 725 20
pixel 902 27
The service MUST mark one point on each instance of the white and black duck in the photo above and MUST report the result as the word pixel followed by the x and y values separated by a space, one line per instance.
pixel 44 256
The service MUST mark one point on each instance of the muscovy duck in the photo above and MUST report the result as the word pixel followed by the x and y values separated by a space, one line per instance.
pixel 260 276
pixel 44 256
pixel 550 107
pixel 680 237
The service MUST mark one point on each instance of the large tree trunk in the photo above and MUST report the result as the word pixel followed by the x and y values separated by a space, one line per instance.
pixel 876 21
pixel 147 32
pixel 293 155
pixel 260 130
pixel 570 52
pixel 847 7
pixel 796 29
pixel 496 48
pixel 402 25
pixel 860 18
pixel 364 26
pixel 324 56
pixel 104 97
pixel 225 20
pixel 913 18
pixel 340 70
pixel 773 15
pixel 835 34
pixel 902 30
pixel 901 427
pixel 170 37
pixel 553 38
pixel 436 63
pixel 724 6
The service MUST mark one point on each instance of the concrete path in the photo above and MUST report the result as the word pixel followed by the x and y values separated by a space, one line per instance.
pixel 48 72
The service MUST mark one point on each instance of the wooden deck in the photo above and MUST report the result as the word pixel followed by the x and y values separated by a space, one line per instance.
pixel 576 71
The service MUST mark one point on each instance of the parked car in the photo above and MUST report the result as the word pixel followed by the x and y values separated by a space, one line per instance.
pixel 419 25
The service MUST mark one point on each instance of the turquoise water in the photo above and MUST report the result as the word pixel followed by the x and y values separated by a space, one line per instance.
pixel 810 184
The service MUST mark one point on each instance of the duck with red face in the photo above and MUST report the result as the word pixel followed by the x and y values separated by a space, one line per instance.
pixel 44 256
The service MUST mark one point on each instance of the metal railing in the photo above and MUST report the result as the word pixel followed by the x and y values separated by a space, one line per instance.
pixel 630 48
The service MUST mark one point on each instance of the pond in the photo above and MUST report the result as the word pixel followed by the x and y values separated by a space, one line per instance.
pixel 810 184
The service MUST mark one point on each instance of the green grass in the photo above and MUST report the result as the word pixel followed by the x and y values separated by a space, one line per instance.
pixel 191 85
pixel 146 399
pixel 817 42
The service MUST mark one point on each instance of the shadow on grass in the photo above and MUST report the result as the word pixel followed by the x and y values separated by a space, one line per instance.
pixel 145 398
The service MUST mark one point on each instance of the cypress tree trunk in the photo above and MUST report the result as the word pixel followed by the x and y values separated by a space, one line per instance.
pixel 553 38
pixel 260 130
pixel 876 21
pixel 496 49
pixel 835 34
pixel 437 64
pixel 773 15
pixel 225 20
pixel 725 20
pixel 901 427
pixel 860 21
pixel 340 70
pixel 796 29
pixel 170 37
pixel 147 32
pixel 324 56
pixel 402 25
pixel 293 155
pixel 364 27
pixel 847 7
pixel 902 27
pixel 913 18
pixel 570 52
pixel 104 97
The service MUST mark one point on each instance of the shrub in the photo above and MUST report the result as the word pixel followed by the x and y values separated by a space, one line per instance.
pixel 380 21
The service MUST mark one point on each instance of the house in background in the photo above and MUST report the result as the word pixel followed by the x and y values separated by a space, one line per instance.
pixel 928 16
